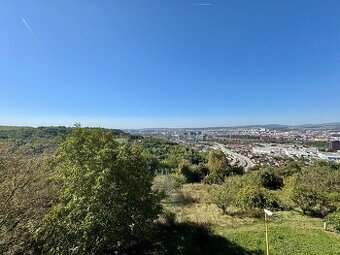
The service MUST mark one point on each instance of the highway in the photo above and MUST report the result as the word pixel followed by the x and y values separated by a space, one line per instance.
pixel 238 159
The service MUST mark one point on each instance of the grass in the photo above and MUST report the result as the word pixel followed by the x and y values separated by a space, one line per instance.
pixel 289 232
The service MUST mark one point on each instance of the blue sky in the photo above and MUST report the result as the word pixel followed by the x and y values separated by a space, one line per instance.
pixel 169 63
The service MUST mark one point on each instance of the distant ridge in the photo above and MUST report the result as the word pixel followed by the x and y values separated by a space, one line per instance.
pixel 331 125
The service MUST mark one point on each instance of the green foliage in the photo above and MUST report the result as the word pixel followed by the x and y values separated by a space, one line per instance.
pixel 289 233
pixel 105 202
pixel 31 141
pixel 317 189
pixel 334 220
pixel 314 189
pixel 285 195
pixel 320 145
pixel 25 196
pixel 104 197
pixel 290 169
pixel 192 173
pixel 217 161
pixel 219 167
pixel 312 201
pixel 168 184
pixel 239 194
pixel 271 180
pixel 170 157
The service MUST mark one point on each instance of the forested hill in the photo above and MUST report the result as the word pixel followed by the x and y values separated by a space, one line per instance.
pixel 40 140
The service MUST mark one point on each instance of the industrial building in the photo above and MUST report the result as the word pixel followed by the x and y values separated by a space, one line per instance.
pixel 334 145
pixel 331 156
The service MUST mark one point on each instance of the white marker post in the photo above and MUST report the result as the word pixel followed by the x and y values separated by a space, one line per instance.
pixel 267 213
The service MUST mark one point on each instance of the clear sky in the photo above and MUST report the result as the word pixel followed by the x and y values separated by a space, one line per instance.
pixel 157 63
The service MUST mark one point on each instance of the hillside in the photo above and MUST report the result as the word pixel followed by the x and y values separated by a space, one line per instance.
pixel 107 192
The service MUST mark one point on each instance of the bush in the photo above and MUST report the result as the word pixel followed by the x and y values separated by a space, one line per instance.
pixel 219 168
pixel 243 193
pixel 190 172
pixel 291 168
pixel 250 197
pixel 224 196
pixel 317 188
pixel 312 202
pixel 287 192
pixel 256 197
pixel 270 180
pixel 334 220
pixel 168 184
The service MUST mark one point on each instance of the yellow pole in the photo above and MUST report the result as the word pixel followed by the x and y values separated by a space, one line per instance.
pixel 267 242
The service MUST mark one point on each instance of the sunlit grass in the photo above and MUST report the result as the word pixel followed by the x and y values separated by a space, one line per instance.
pixel 289 232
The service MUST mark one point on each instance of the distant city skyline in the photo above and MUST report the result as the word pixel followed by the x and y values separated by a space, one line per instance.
pixel 147 64
pixel 139 123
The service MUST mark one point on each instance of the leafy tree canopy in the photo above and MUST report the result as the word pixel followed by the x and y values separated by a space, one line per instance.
pixel 105 201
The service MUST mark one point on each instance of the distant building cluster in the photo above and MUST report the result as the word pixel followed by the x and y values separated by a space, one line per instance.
pixel 264 146
pixel 286 150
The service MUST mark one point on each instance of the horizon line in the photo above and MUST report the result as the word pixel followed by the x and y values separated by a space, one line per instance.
pixel 179 127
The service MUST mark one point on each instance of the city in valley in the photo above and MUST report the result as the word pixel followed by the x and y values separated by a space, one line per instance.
pixel 262 145
pixel 182 127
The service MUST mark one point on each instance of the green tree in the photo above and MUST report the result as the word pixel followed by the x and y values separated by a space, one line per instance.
pixel 271 180
pixel 219 167
pixel 312 201
pixel 244 193
pixel 24 200
pixel 105 201
pixel 317 189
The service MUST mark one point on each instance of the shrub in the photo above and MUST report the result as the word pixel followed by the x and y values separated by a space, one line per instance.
pixel 244 193
pixel 316 190
pixel 312 202
pixel 334 220
pixel 219 168
pixel 190 172
pixel 168 184
pixel 256 197
pixel 270 180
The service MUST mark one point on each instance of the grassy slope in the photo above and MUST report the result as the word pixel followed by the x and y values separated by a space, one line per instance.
pixel 290 232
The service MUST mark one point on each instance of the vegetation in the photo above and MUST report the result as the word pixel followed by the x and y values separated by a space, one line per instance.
pixel 169 157
pixel 334 220
pixel 96 191
pixel 105 202
pixel 25 196
pixel 317 189
pixel 313 189
pixel 29 141
pixel 290 232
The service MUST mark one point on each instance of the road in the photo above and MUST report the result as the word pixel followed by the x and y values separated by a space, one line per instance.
pixel 237 158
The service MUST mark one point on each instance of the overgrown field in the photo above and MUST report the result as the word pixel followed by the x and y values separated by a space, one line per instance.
pixel 290 232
